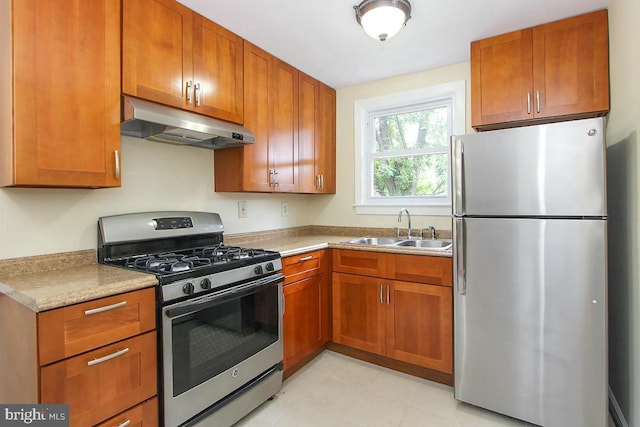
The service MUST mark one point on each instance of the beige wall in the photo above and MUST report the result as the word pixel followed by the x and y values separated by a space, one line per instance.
pixel 160 176
pixel 155 177
pixel 338 209
pixel 624 203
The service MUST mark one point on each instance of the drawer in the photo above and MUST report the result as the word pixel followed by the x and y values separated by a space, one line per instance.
pixel 422 269
pixel 103 382
pixel 142 415
pixel 72 330
pixel 360 262
pixel 302 266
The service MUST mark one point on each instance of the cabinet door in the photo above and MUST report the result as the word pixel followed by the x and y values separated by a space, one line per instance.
pixel 217 70
pixel 501 78
pixel 103 382
pixel 157 51
pixel 325 147
pixel 255 167
pixel 283 134
pixel 358 312
pixel 571 66
pixel 420 325
pixel 66 57
pixel 303 319
pixel 307 134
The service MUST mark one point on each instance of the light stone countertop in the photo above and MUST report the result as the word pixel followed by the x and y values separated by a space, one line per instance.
pixel 40 284
pixel 59 288
pixel 296 245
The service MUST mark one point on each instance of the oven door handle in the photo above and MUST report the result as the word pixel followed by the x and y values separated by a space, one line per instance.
pixel 223 296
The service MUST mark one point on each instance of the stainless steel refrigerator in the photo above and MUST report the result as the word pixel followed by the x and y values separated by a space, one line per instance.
pixel 530 272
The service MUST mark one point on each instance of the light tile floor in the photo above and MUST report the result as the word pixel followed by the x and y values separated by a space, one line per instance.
pixel 338 391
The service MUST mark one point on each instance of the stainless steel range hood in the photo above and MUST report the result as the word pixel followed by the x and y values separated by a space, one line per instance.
pixel 156 122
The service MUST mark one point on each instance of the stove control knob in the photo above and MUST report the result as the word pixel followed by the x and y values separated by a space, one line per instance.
pixel 205 284
pixel 188 288
pixel 269 266
pixel 258 269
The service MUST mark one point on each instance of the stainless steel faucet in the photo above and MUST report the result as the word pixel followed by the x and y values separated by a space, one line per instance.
pixel 408 218
pixel 433 232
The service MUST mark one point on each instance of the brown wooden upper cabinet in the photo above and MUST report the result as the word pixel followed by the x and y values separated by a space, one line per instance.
pixel 174 56
pixel 317 136
pixel 60 80
pixel 551 72
pixel 293 118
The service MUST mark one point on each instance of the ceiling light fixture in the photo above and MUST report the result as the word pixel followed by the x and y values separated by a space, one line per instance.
pixel 382 19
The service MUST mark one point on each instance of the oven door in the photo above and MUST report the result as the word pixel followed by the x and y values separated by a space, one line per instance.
pixel 213 345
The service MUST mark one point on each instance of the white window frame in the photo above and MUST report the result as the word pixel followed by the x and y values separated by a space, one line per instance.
pixel 452 93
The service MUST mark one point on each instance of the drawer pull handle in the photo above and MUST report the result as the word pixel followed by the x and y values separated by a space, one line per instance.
pixel 306 258
pixel 125 424
pixel 105 308
pixel 108 357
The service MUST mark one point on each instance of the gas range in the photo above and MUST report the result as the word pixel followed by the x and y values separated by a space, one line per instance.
pixel 219 314
pixel 184 250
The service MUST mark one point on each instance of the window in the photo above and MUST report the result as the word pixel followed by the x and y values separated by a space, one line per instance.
pixel 402 149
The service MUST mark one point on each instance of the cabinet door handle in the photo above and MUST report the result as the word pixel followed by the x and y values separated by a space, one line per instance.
pixel 381 298
pixel 388 294
pixel 277 175
pixel 108 357
pixel 284 305
pixel 318 182
pixel 306 258
pixel 105 308
pixel 528 102
pixel 196 89
pixel 271 178
pixel 537 101
pixel 124 424
pixel 117 158
pixel 188 92
pixel 322 182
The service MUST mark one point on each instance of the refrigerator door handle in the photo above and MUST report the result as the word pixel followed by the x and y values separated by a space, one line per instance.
pixel 459 277
pixel 458 175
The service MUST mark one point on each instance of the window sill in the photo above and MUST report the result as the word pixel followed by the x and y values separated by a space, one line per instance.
pixel 440 210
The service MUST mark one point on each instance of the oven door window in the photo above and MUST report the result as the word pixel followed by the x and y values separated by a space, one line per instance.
pixel 210 341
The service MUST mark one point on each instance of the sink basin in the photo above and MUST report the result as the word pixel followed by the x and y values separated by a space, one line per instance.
pixel 432 244
pixel 384 241
pixel 427 244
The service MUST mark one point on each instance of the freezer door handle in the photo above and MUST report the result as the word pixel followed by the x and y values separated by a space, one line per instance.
pixel 459 277
pixel 458 175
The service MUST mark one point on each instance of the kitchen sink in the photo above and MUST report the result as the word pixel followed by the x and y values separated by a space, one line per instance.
pixel 382 241
pixel 432 244
pixel 427 244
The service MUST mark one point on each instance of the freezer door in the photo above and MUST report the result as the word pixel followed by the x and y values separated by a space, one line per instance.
pixel 547 170
pixel 530 318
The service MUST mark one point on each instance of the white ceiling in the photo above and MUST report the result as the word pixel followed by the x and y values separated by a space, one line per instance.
pixel 323 39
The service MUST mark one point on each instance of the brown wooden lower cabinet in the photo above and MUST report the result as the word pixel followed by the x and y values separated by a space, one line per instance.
pixel 99 356
pixel 420 325
pixel 103 382
pixel 376 311
pixel 410 322
pixel 306 308
pixel 142 415
pixel 302 319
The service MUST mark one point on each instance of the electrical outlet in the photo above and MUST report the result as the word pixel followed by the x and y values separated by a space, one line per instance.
pixel 242 209
pixel 284 208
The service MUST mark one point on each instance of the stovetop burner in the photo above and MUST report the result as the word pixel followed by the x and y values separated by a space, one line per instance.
pixel 184 250
pixel 191 259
